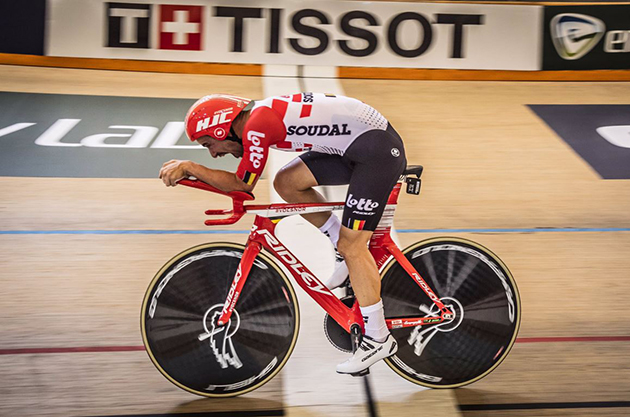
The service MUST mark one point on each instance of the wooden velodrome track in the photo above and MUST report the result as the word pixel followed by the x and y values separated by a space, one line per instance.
pixel 490 163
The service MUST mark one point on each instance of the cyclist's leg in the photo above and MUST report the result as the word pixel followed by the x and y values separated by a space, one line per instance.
pixel 295 181
pixel 367 197
pixel 378 159
pixel 364 275
pixel 376 169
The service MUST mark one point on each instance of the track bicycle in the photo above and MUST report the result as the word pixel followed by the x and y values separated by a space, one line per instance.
pixel 222 319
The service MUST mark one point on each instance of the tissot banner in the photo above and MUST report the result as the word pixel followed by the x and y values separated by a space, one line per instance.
pixel 381 34
pixel 586 37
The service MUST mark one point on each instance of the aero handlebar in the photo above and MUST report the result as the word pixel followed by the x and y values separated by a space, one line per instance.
pixel 237 202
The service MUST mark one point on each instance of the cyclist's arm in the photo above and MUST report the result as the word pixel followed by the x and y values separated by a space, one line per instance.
pixel 175 170
pixel 223 180
pixel 263 129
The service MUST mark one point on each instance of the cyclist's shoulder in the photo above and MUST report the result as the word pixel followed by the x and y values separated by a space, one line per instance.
pixel 266 121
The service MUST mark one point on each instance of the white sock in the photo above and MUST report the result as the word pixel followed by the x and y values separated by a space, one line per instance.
pixel 338 276
pixel 374 320
pixel 331 229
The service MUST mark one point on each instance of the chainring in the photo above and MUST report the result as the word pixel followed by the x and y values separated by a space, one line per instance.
pixel 336 334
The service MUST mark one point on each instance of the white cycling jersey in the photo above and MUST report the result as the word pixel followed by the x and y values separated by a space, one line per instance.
pixel 324 123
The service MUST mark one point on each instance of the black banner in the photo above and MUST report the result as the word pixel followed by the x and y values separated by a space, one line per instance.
pixel 22 27
pixel 586 37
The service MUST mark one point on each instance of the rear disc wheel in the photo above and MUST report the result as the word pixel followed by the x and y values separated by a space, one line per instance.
pixel 477 287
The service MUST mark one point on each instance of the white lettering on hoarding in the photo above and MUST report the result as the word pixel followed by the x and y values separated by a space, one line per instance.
pixel 617 41
pixel 14 128
pixel 616 135
pixel 141 138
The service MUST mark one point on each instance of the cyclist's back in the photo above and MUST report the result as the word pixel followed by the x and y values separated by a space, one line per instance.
pixel 324 123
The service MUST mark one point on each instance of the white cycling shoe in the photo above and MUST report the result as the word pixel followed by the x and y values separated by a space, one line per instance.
pixel 370 351
pixel 340 275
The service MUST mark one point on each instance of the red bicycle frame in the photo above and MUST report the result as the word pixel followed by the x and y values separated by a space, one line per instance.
pixel 262 235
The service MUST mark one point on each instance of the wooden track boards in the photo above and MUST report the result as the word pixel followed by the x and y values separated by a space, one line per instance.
pixel 489 163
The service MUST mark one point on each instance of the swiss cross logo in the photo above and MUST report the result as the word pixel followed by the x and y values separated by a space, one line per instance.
pixel 181 27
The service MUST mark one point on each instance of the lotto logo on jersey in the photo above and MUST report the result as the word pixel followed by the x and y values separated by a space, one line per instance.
pixel 217 119
pixel 255 151
pixel 362 205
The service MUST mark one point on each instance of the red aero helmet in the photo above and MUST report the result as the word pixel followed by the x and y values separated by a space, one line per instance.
pixel 213 116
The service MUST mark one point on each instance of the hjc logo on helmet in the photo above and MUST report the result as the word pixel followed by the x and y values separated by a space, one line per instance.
pixel 218 118
pixel 213 115
pixel 361 204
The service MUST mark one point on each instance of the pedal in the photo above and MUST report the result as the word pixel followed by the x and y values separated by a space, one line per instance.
pixel 413 185
pixel 362 373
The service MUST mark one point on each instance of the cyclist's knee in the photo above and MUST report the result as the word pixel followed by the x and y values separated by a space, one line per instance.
pixel 344 248
pixel 351 242
pixel 282 183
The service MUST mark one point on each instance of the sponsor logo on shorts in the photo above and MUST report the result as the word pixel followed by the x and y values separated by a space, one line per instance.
pixel 363 206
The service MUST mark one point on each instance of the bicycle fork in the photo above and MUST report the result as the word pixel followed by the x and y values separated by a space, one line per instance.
pixel 446 313
pixel 251 251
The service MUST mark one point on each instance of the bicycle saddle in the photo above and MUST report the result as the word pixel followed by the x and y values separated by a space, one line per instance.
pixel 414 170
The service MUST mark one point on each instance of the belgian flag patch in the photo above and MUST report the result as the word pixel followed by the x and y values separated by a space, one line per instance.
pixel 357 224
pixel 249 178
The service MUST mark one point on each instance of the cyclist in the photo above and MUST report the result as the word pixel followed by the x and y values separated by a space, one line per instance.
pixel 347 142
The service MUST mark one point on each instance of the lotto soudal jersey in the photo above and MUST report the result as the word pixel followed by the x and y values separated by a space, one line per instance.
pixel 324 123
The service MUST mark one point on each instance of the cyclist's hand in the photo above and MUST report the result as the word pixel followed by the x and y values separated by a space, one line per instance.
pixel 173 171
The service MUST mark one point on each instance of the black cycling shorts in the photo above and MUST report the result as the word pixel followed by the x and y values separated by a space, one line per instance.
pixel 371 167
